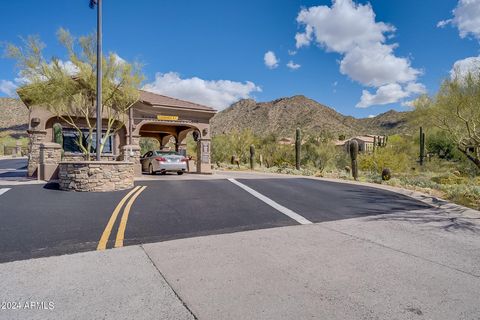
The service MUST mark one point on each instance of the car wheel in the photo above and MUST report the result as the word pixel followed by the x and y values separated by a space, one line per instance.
pixel 150 169
pixel 179 173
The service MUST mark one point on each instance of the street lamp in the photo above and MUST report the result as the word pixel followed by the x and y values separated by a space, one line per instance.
pixel 92 5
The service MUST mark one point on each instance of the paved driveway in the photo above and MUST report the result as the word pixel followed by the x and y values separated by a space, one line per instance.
pixel 39 220
pixel 238 246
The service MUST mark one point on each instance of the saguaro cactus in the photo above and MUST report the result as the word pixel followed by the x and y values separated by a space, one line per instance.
pixel 252 157
pixel 374 143
pixel 353 148
pixel 57 133
pixel 422 146
pixel 298 146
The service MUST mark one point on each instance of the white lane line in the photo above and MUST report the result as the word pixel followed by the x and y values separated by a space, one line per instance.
pixel 3 190
pixel 292 214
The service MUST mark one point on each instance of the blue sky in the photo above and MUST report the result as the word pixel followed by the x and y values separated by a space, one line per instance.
pixel 213 52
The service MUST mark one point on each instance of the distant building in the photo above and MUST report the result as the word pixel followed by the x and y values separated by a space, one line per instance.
pixel 365 143
pixel 286 141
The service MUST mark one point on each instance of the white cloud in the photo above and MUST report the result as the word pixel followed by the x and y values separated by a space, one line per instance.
pixel 292 65
pixel 69 67
pixel 343 26
pixel 351 30
pixel 292 52
pixel 303 39
pixel 465 66
pixel 270 60
pixel 465 18
pixel 377 66
pixel 218 94
pixel 118 59
pixel 416 88
pixel 386 94
pixel 371 116
pixel 409 103
pixel 8 87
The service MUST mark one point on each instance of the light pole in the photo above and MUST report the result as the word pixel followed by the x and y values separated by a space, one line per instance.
pixel 92 5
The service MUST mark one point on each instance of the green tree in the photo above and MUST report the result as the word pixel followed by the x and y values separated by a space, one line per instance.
pixel 68 89
pixel 456 111
pixel 319 152
pixel 440 144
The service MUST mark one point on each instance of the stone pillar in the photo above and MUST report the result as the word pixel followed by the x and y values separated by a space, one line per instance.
pixel 50 157
pixel 164 141
pixel 18 149
pixel 36 138
pixel 135 140
pixel 131 153
pixel 203 156
pixel 182 148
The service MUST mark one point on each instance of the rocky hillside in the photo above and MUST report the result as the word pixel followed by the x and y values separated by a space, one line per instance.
pixel 283 115
pixel 13 117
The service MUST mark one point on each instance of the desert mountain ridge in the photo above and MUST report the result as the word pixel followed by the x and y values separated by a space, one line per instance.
pixel 282 116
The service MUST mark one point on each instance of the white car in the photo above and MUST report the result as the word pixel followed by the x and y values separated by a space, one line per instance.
pixel 163 162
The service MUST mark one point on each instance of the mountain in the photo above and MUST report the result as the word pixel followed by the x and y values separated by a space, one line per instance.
pixel 283 116
pixel 13 117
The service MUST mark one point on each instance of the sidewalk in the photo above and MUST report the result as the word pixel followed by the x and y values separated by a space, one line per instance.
pixel 113 284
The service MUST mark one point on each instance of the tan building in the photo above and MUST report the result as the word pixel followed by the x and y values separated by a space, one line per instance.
pixel 153 115
pixel 365 143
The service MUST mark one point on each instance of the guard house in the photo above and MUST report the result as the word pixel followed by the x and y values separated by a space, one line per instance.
pixel 153 115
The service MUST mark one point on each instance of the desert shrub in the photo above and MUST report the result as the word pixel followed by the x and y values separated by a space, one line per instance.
pixel 384 158
pixel 275 154
pixel 440 144
pixel 9 141
pixel 237 143
pixel 148 144
pixel 191 146
pixel 318 153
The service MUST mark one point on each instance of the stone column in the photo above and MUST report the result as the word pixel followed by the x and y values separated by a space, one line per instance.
pixel 182 148
pixel 50 157
pixel 18 149
pixel 36 138
pixel 131 153
pixel 203 156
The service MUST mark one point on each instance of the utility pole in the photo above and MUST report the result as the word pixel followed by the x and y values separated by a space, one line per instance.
pixel 92 5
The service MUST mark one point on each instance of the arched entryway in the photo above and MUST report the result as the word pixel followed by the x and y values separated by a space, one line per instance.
pixel 176 132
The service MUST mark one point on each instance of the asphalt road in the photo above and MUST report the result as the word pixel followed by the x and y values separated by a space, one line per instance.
pixel 12 169
pixel 39 220
pixel 13 163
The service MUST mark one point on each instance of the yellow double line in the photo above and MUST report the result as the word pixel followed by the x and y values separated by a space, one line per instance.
pixel 102 244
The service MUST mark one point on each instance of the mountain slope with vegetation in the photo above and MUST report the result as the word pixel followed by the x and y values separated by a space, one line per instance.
pixel 13 118
pixel 283 116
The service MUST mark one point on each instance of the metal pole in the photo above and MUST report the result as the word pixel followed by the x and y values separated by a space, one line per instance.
pixel 130 125
pixel 99 78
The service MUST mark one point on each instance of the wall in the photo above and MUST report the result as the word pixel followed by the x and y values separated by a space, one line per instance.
pixel 99 176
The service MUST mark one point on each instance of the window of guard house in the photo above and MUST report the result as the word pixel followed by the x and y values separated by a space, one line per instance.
pixel 70 141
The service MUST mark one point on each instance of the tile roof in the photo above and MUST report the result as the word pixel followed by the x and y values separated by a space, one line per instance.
pixel 160 100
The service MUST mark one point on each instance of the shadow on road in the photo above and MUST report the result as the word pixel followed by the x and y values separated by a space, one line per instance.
pixel 436 218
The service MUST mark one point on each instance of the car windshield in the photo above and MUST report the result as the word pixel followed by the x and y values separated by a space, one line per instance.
pixel 166 153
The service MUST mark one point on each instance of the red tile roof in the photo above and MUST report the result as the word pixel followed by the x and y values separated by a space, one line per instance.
pixel 160 100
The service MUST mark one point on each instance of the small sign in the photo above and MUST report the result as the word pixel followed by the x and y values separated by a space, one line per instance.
pixel 167 118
